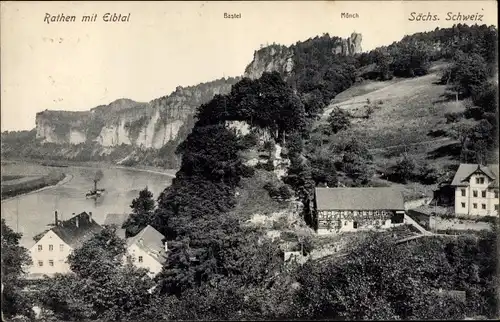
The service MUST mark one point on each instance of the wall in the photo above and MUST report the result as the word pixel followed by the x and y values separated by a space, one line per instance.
pixel 59 257
pixel 335 221
pixel 149 262
pixel 412 204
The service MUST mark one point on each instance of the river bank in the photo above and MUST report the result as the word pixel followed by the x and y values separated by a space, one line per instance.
pixel 29 184
pixel 92 164
pixel 43 181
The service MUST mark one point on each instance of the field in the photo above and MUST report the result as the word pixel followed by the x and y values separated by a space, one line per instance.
pixel 408 116
pixel 19 178
pixel 403 115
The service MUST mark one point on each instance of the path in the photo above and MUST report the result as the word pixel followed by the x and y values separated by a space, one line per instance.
pixel 412 144
pixel 410 221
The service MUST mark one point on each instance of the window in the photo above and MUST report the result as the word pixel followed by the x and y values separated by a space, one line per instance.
pixel 61 247
pixel 479 180
pixel 474 193
pixel 39 248
pixel 51 262
pixel 51 247
pixel 463 192
pixel 496 194
pixel 496 207
pixel 40 263
pixel 345 223
pixel 140 259
pixel 483 193
pixel 355 225
pixel 463 204
pixel 474 205
pixel 483 206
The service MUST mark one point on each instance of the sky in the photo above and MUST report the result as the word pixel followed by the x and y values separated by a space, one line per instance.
pixel 78 65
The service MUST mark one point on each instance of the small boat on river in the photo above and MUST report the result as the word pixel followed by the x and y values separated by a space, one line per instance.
pixel 95 193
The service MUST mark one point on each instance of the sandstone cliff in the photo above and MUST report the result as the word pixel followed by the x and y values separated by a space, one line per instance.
pixel 166 120
pixel 146 125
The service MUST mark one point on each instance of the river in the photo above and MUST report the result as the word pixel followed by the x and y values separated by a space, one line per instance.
pixel 31 213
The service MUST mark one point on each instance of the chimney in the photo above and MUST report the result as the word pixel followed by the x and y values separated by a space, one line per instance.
pixel 90 216
pixel 56 221
pixel 76 222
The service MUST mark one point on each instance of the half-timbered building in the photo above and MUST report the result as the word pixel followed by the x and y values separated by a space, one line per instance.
pixel 352 209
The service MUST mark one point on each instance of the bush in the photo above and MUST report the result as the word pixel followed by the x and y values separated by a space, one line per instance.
pixel 283 192
pixel 404 170
pixel 339 120
pixel 453 117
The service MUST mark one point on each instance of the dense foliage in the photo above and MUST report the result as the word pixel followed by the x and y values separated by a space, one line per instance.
pixel 218 268
pixel 14 259
pixel 101 287
pixel 142 213
pixel 382 280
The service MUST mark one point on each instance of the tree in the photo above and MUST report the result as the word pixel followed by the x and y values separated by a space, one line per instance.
pixel 339 120
pixel 405 168
pixel 379 279
pixel 467 73
pixel 14 259
pixel 101 286
pixel 356 161
pixel 324 170
pixel 142 213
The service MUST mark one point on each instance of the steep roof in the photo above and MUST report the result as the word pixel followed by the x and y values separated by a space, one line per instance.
pixel 359 199
pixel 466 169
pixel 151 241
pixel 77 229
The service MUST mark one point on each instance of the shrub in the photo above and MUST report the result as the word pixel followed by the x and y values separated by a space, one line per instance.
pixel 453 117
pixel 339 120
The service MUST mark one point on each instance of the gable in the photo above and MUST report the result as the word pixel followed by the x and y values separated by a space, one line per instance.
pixel 138 251
pixel 48 238
pixel 465 171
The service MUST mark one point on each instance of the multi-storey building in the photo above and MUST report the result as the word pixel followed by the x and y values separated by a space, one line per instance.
pixel 476 190
pixel 49 254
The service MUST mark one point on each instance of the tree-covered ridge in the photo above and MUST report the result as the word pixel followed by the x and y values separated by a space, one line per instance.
pixel 411 56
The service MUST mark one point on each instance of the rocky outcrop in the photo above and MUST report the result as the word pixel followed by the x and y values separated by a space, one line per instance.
pixel 168 118
pixel 349 46
pixel 268 59
pixel 281 58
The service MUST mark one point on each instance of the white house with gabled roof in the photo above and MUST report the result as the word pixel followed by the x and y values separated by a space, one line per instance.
pixel 476 190
pixel 49 254
pixel 147 250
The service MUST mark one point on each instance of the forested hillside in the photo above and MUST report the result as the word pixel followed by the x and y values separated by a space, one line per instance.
pixel 221 268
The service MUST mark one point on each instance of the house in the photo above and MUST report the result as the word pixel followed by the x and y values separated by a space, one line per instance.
pixel 147 250
pixel 51 251
pixel 476 190
pixel 352 209
pixel 117 221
